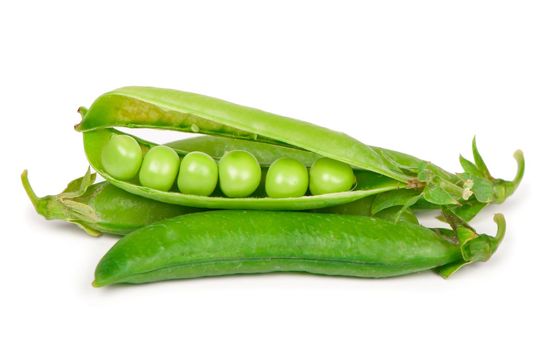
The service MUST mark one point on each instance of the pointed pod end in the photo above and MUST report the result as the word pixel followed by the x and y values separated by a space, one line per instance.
pixel 95 284
pixel 82 111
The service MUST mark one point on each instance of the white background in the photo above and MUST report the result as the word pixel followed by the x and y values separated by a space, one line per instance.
pixel 418 76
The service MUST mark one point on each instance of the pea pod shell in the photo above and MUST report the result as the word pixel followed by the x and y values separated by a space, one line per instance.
pixel 239 242
pixel 184 111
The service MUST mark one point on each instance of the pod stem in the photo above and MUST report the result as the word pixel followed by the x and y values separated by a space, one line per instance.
pixel 511 186
pixel 501 230
pixel 36 201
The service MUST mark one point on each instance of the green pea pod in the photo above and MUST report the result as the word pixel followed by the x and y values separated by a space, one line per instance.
pixel 228 242
pixel 161 108
pixel 188 112
pixel 101 208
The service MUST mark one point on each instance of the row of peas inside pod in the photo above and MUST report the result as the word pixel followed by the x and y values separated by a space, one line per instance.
pixel 238 172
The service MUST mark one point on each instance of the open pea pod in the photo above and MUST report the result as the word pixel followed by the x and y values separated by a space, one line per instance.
pixel 146 107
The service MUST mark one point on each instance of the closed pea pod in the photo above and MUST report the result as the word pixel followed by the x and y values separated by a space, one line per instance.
pixel 104 208
pixel 101 207
pixel 239 242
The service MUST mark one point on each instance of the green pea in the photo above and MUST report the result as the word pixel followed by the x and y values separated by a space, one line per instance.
pixel 159 168
pixel 239 173
pixel 198 174
pixel 286 178
pixel 121 157
pixel 330 176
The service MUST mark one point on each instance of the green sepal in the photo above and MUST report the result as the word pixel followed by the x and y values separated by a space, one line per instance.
pixel 79 186
pixel 478 160
pixel 485 187
pixel 469 167
pixel 468 210
pixel 436 194
pixel 63 206
pixel 482 188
